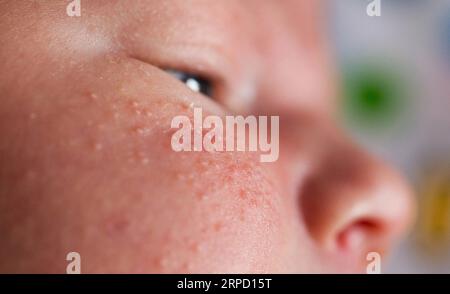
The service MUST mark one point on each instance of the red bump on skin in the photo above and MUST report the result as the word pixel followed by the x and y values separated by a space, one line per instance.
pixel 117 226
pixel 193 247
pixel 184 267
pixel 217 227
pixel 158 264
pixel 92 96
pixel 201 196
pixel 253 202
pixel 242 194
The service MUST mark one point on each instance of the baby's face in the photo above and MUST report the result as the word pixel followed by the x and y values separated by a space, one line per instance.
pixel 86 162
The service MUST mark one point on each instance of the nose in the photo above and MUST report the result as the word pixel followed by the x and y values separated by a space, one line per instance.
pixel 348 200
pixel 352 202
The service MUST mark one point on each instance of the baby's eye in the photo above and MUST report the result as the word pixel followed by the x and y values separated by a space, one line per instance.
pixel 194 82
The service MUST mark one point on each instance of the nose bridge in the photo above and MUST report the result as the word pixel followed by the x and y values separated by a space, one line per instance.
pixel 295 68
pixel 295 79
pixel 343 162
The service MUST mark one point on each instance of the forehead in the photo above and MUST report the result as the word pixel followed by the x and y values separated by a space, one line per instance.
pixel 230 19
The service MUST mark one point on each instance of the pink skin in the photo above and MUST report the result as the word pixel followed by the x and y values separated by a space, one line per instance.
pixel 86 163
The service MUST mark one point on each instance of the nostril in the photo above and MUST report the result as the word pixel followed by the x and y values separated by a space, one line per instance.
pixel 360 235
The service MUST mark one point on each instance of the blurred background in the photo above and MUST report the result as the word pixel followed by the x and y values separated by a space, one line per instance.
pixel 395 100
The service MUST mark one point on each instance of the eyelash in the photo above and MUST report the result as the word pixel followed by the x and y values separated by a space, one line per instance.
pixel 194 82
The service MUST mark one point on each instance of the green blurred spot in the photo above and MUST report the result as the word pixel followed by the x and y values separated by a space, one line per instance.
pixel 373 97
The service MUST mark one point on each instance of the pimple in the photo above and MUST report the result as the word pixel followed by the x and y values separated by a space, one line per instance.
pixel 139 157
pixel 116 226
pixel 101 126
pixel 156 263
pixel 202 196
pixel 228 178
pixel 253 202
pixel 145 161
pixel 121 225
pixel 242 194
pixel 207 164
pixel 187 178
pixel 133 104
pixel 193 247
pixel 113 59
pixel 139 110
pixel 185 267
pixel 187 106
pixel 98 146
pixel 161 263
pixel 141 130
pixel 93 96
pixel 217 227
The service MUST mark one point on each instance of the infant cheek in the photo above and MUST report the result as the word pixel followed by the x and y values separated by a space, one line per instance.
pixel 200 213
pixel 207 212
pixel 127 202
pixel 226 213
pixel 166 211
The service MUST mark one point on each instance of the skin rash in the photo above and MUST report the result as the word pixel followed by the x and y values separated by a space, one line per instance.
pixel 86 163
